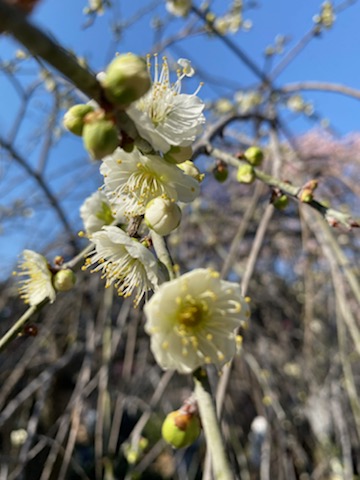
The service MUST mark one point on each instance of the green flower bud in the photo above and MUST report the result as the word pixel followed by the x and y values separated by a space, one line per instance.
pixel 181 429
pixel 281 202
pixel 126 79
pixel 74 118
pixel 254 155
pixel 64 280
pixel 162 215
pixel 100 138
pixel 221 172
pixel 190 169
pixel 245 174
pixel 178 154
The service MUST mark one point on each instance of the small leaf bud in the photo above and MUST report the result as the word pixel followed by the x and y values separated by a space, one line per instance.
pixel 64 280
pixel 245 174
pixel 306 195
pixel 178 154
pixel 126 79
pixel 181 429
pixel 221 172
pixel 162 215
pixel 254 155
pixel 100 138
pixel 281 202
pixel 74 118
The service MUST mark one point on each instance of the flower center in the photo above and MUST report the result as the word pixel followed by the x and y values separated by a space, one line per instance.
pixel 191 314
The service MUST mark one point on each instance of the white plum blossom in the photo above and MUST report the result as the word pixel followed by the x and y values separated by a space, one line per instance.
pixel 96 212
pixel 124 262
pixel 179 8
pixel 38 285
pixel 164 116
pixel 131 180
pixel 193 319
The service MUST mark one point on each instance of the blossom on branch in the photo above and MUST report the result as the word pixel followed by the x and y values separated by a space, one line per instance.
pixel 124 262
pixel 164 116
pixel 131 180
pixel 192 321
pixel 179 8
pixel 96 212
pixel 38 285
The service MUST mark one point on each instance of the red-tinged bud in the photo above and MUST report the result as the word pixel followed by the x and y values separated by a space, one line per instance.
pixel 221 172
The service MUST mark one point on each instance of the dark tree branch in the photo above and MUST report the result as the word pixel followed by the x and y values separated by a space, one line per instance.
pixel 41 45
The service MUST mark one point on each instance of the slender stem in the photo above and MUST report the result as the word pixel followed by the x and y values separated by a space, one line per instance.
pixel 333 217
pixel 210 424
pixel 162 253
pixel 232 46
pixel 17 327
pixel 322 87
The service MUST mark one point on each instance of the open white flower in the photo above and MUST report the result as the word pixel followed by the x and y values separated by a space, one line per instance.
pixel 164 116
pixel 96 212
pixel 192 321
pixel 38 285
pixel 132 180
pixel 124 261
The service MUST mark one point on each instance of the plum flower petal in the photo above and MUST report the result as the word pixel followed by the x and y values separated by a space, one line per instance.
pixel 131 180
pixel 192 321
pixel 164 116
pixel 96 212
pixel 38 285
pixel 124 262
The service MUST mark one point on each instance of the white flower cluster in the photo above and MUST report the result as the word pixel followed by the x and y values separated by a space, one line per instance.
pixel 192 320
pixel 146 181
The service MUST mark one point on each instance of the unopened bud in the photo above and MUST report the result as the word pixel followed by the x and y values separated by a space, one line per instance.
pixel 126 79
pixel 281 202
pixel 254 155
pixel 74 118
pixel 306 195
pixel 221 172
pixel 190 169
pixel 245 174
pixel 100 138
pixel 178 154
pixel 64 280
pixel 181 429
pixel 162 215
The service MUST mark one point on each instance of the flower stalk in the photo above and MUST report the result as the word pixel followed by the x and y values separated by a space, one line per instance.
pixel 211 427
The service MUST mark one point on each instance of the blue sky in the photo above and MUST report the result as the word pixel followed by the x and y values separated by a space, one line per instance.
pixel 334 57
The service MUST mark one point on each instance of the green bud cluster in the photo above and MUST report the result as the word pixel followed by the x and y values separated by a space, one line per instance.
pixel 125 80
pixel 100 135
